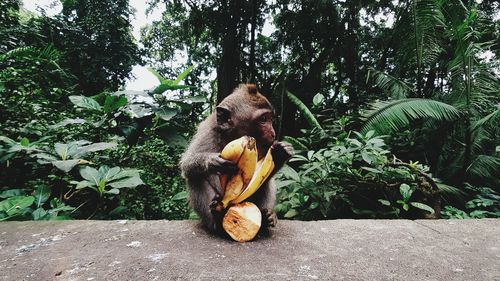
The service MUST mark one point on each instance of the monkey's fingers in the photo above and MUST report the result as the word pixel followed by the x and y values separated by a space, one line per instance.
pixel 225 166
pixel 281 152
pixel 269 218
pixel 216 207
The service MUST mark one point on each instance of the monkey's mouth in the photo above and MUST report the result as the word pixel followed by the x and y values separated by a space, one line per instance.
pixel 262 150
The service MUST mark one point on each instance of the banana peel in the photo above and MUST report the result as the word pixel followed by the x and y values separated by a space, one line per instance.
pixel 251 174
pixel 264 169
pixel 242 220
pixel 243 152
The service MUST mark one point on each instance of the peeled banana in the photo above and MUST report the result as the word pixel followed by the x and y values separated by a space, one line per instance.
pixel 264 169
pixel 243 151
pixel 242 221
pixel 251 174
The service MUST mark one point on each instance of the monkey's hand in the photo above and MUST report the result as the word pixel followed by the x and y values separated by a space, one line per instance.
pixel 218 165
pixel 281 152
pixel 269 218
pixel 216 206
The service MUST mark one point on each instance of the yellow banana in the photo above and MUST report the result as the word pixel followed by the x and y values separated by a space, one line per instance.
pixel 232 152
pixel 243 151
pixel 264 169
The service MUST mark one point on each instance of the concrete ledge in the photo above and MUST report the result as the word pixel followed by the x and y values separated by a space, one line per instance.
pixel 181 250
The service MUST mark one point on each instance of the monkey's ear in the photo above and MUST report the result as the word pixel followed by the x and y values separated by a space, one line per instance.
pixel 252 89
pixel 223 116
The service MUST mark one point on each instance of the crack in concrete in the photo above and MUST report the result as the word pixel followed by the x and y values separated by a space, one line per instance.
pixel 441 233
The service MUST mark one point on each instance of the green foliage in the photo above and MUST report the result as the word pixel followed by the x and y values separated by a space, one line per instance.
pixel 484 204
pixel 406 192
pixel 164 195
pixel 16 205
pixel 304 110
pixel 69 130
pixel 108 180
pixel 386 117
pixel 347 175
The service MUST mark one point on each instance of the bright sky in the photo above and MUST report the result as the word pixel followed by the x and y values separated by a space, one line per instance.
pixel 143 78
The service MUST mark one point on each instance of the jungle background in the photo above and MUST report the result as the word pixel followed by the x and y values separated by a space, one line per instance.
pixel 392 106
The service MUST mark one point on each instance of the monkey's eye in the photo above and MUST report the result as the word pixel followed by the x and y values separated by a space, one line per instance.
pixel 265 118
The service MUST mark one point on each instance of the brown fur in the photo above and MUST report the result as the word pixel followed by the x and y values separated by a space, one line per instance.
pixel 200 162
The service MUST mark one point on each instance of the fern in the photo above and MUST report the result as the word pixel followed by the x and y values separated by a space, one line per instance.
pixel 391 116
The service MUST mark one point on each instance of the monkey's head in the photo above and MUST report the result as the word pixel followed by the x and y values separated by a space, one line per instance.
pixel 246 112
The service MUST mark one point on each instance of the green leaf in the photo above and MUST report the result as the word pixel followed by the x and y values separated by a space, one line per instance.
pixel 367 157
pixel 166 113
pixel 66 165
pixel 373 170
pixel 128 182
pixel 25 142
pixel 42 194
pixel 85 102
pixel 66 122
pixel 395 87
pixel 61 150
pixel 113 191
pixel 111 174
pixel 12 192
pixel 406 207
pixel 112 103
pixel 183 195
pixel 313 122
pixel 183 75
pixel 39 214
pixel 282 183
pixel 290 173
pixel 291 213
pixel 157 75
pixel 15 205
pixel 83 184
pixel 314 205
pixel 384 202
pixel 118 211
pixel 91 175
pixel 196 99
pixel 422 206
pixel 318 99
pixel 98 146
pixel 406 191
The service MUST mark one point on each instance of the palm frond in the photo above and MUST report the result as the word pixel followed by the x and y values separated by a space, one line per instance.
pixel 395 87
pixel 20 52
pixel 490 118
pixel 484 166
pixel 386 117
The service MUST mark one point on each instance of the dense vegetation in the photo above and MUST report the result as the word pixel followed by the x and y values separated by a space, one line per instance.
pixel 392 106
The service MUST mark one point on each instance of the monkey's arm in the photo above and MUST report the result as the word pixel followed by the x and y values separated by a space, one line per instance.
pixel 202 159
pixel 281 152
pixel 265 197
pixel 202 164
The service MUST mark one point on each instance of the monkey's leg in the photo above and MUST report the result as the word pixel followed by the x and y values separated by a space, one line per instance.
pixel 204 199
pixel 265 199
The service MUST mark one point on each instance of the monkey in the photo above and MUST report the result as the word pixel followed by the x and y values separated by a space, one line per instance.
pixel 244 112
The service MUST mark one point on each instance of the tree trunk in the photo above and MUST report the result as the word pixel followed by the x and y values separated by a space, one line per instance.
pixel 351 55
pixel 229 64
pixel 252 41
pixel 429 84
